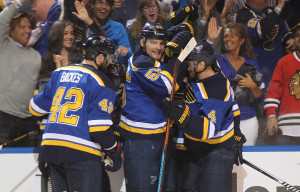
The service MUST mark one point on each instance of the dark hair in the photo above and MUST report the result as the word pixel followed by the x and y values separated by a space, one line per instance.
pixel 91 6
pixel 16 20
pixel 109 2
pixel 140 21
pixel 241 32
pixel 55 45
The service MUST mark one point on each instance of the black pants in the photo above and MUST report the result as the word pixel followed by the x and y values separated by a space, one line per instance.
pixel 12 127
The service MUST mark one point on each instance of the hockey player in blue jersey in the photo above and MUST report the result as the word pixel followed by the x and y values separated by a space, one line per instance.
pixel 79 100
pixel 142 125
pixel 208 124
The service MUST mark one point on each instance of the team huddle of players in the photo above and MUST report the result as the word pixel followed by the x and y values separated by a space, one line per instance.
pixel 84 135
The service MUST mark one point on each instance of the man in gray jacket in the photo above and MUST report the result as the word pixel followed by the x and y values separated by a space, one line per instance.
pixel 19 68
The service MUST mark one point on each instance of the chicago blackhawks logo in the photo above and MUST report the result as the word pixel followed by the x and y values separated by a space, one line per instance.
pixel 294 85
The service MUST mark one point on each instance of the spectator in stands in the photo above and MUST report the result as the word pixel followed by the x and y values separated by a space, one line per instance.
pixel 99 19
pixel 61 49
pixel 46 12
pixel 238 65
pixel 120 13
pixel 148 11
pixel 268 33
pixel 24 8
pixel 19 68
pixel 206 11
pixel 282 106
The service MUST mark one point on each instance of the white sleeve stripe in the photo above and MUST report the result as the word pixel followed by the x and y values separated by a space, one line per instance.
pixel 99 122
pixel 270 105
pixel 211 130
pixel 272 100
pixel 37 108
pixel 167 83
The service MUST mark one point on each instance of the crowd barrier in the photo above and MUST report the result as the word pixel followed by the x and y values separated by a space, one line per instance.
pixel 19 171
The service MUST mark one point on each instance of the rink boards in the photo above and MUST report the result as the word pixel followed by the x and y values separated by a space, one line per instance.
pixel 19 172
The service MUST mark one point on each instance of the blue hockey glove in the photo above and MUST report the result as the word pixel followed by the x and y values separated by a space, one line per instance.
pixel 113 158
pixel 238 147
pixel 177 111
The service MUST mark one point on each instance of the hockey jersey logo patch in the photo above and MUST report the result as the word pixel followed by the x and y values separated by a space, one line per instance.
pixel 294 85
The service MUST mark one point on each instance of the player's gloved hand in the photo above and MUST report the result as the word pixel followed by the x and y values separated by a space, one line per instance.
pixel 113 158
pixel 184 11
pixel 238 147
pixel 194 13
pixel 44 169
pixel 179 28
pixel 177 111
pixel 178 43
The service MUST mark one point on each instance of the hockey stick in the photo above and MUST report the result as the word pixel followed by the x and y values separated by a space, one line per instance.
pixel 19 138
pixel 287 186
pixel 184 53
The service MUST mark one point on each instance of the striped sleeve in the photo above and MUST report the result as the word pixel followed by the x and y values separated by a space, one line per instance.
pixel 275 91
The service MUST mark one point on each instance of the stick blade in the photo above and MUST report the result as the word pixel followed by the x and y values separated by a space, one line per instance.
pixel 188 48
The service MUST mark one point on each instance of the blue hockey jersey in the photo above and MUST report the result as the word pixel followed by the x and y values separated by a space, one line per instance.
pixel 212 113
pixel 79 101
pixel 148 82
pixel 266 31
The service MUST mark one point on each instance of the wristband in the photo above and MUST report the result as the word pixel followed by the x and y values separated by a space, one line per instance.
pixel 210 42
pixel 19 2
pixel 202 21
pixel 278 9
pixel 271 116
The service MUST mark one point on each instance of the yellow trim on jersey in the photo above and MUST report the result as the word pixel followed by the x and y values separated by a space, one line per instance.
pixel 228 91
pixel 169 76
pixel 72 146
pixel 212 141
pixel 34 113
pixel 203 91
pixel 85 70
pixel 236 113
pixel 205 128
pixel 134 67
pixel 42 127
pixel 99 128
pixel 156 64
pixel 142 131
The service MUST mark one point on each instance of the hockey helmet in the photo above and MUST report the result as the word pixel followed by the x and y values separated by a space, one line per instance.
pixel 94 44
pixel 153 31
pixel 202 52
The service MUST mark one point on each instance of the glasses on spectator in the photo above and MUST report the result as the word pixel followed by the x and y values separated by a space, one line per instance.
pixel 147 8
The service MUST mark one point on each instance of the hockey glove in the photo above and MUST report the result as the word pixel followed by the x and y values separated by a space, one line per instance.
pixel 184 11
pixel 177 111
pixel 179 28
pixel 238 147
pixel 113 158
pixel 194 13
pixel 178 43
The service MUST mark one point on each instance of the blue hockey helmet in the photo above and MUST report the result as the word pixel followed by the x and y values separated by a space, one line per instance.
pixel 203 52
pixel 153 31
